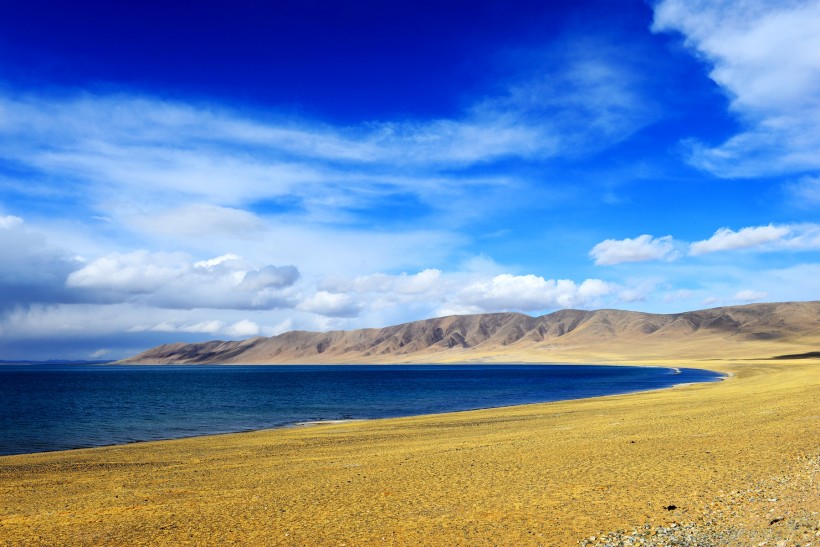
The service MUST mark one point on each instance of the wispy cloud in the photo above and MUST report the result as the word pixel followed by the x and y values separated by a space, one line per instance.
pixel 117 150
pixel 171 184
pixel 805 192
pixel 761 238
pixel 196 219
pixel 726 239
pixel 764 55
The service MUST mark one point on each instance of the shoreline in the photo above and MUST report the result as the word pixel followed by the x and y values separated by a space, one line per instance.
pixel 310 423
pixel 545 473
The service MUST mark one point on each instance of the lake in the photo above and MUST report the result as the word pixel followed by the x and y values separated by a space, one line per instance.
pixel 58 407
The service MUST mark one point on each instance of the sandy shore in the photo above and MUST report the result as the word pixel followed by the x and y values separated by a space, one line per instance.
pixel 733 462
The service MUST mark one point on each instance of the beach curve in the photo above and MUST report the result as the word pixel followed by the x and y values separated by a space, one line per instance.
pixel 551 474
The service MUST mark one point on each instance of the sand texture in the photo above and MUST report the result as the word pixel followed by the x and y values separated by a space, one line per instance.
pixel 728 463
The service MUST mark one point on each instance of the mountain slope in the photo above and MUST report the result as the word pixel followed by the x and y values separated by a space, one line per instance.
pixel 752 331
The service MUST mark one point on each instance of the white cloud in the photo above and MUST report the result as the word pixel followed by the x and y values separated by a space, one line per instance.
pixel 794 237
pixel 331 304
pixel 528 293
pixel 131 273
pixel 174 280
pixel 120 152
pixel 269 277
pixel 726 239
pixel 216 261
pixel 197 219
pixel 639 249
pixel 75 330
pixel 749 296
pixel 203 327
pixel 423 282
pixel 766 56
pixel 804 237
pixel 591 289
pixel 9 222
pixel 40 321
pixel 243 329
pixel 465 292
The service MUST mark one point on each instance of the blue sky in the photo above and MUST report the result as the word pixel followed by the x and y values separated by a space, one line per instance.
pixel 171 173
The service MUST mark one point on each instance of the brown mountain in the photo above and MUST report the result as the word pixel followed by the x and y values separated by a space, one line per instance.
pixel 739 332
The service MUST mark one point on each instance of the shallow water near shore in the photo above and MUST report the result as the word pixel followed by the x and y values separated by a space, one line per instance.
pixel 58 407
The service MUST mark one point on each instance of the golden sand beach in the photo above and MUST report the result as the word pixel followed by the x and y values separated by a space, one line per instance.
pixel 733 462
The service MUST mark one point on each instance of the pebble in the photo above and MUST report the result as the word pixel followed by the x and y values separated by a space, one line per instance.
pixel 739 518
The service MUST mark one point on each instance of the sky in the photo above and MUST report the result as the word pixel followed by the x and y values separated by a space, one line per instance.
pixel 179 172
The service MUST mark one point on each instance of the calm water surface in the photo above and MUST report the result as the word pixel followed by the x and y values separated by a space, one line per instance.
pixel 57 407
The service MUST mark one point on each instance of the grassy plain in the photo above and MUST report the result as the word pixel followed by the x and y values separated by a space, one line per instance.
pixel 735 460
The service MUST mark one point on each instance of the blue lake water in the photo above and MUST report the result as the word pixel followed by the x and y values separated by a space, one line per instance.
pixel 58 407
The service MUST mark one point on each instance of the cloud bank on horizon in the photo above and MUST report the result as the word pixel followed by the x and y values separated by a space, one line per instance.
pixel 350 166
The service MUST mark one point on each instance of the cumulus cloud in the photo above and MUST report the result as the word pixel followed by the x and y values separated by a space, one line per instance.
pixel 174 280
pixel 131 273
pixel 529 293
pixel 465 292
pixel 794 237
pixel 269 277
pixel 639 249
pixel 243 329
pixel 765 56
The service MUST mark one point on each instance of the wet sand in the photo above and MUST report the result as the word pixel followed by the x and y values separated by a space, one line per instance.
pixel 734 461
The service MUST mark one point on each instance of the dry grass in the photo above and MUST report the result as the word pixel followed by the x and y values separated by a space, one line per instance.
pixel 549 474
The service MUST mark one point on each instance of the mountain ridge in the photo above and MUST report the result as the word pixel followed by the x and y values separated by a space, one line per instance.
pixel 569 335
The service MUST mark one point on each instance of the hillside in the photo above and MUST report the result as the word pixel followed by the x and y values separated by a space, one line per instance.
pixel 751 331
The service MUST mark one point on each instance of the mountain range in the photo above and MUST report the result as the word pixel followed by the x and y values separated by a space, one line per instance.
pixel 752 331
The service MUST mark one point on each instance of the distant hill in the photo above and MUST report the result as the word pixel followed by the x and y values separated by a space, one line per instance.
pixel 740 332
pixel 54 362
